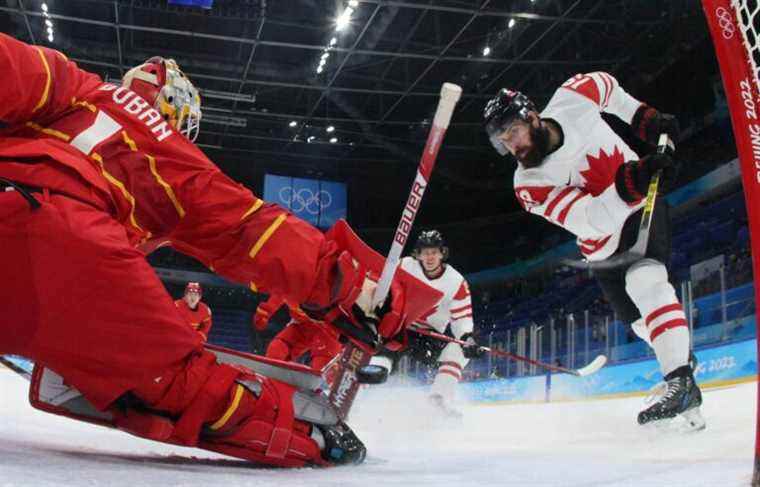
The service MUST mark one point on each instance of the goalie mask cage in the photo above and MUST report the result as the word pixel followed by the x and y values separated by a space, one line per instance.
pixel 735 30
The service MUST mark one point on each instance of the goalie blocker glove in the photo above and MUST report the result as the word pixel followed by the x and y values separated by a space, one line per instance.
pixel 632 178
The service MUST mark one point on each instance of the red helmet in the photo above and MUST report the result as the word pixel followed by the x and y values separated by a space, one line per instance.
pixel 193 287
pixel 161 83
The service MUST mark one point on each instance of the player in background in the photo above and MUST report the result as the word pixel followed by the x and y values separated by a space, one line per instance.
pixel 451 315
pixel 573 170
pixel 89 172
pixel 300 336
pixel 196 313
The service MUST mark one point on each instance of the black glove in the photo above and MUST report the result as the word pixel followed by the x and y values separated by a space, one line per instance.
pixel 648 124
pixel 632 178
pixel 471 349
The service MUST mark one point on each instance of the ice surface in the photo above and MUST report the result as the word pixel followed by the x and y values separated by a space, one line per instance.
pixel 563 444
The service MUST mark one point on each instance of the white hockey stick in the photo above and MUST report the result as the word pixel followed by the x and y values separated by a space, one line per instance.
pixel 450 94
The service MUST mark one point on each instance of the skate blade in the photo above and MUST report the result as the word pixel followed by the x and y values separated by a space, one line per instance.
pixel 688 422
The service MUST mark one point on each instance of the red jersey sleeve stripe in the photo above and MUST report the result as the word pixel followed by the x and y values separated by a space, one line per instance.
pixel 610 86
pixel 468 315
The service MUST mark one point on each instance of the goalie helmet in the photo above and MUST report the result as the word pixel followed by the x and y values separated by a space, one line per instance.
pixel 430 239
pixel 162 84
pixel 503 109
pixel 194 287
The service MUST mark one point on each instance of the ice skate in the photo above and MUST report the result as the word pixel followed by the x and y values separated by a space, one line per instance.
pixel 679 396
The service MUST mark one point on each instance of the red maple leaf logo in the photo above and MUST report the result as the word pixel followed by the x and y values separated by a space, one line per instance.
pixel 601 170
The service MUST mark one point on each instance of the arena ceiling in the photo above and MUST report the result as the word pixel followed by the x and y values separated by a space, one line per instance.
pixel 268 107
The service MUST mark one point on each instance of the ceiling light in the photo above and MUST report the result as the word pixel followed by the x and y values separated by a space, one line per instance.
pixel 292 124
pixel 320 69
pixel 310 139
pixel 50 30
pixel 330 129
pixel 44 7
pixel 333 140
pixel 50 37
pixel 486 51
pixel 333 41
pixel 344 19
pixel 325 56
pixel 354 3
pixel 48 23
pixel 511 23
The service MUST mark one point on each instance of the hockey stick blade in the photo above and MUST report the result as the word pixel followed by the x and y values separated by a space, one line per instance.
pixel 592 367
pixel 639 248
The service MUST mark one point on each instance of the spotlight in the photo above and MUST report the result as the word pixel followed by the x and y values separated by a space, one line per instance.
pixel 486 51
pixel 333 140
pixel 330 129
pixel 292 124
pixel 511 23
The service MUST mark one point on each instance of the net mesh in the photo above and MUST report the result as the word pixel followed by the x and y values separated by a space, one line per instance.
pixel 748 15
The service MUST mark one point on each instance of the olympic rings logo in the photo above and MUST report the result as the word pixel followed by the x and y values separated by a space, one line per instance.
pixel 305 200
pixel 725 22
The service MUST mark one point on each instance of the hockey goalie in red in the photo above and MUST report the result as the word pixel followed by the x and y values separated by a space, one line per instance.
pixel 574 171
pixel 89 171
pixel 195 312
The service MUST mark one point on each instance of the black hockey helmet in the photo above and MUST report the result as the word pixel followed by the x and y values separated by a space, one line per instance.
pixel 502 110
pixel 430 239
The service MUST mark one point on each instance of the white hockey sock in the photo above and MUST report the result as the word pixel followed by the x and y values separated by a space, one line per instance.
pixel 445 384
pixel 646 282
pixel 672 349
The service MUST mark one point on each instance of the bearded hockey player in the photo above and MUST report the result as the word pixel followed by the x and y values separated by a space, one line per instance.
pixel 452 314
pixel 196 313
pixel 573 170
pixel 91 170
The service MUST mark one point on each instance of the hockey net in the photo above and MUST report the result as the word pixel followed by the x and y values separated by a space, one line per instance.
pixel 735 30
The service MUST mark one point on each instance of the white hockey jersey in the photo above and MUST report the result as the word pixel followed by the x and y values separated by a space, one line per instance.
pixel 574 187
pixel 454 308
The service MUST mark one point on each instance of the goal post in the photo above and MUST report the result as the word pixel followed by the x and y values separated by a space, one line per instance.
pixel 735 30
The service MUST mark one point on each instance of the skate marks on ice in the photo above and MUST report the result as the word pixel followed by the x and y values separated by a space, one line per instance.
pixel 564 444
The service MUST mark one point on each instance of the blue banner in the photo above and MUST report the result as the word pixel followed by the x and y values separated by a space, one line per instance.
pixel 207 4
pixel 732 362
pixel 320 203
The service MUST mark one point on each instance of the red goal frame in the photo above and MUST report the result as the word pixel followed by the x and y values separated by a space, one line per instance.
pixel 742 88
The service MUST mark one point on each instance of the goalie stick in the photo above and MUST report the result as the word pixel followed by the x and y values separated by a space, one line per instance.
pixel 639 249
pixel 450 94
pixel 346 383
pixel 591 368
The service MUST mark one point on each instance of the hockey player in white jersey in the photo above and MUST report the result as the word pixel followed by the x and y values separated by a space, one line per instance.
pixel 573 170
pixel 453 313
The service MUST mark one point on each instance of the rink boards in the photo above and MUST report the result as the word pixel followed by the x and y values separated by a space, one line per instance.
pixel 725 364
